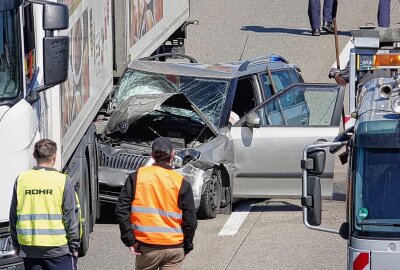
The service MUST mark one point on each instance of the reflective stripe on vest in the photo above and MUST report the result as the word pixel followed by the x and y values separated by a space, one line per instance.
pixel 39 209
pixel 81 220
pixel 155 215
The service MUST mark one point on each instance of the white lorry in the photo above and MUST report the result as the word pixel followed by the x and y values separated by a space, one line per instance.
pixel 58 62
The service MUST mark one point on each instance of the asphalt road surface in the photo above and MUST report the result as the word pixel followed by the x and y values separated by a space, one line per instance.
pixel 259 234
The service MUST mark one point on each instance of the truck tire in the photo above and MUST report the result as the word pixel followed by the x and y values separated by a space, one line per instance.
pixel 211 199
pixel 84 202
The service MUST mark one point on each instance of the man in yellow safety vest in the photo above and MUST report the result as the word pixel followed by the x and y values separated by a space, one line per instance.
pixel 44 222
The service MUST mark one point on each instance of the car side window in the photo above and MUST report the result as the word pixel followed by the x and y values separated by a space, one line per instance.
pixel 283 79
pixel 267 87
pixel 272 114
pixel 295 77
pixel 300 105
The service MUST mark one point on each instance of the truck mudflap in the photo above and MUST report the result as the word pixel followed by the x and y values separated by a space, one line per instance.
pixel 359 260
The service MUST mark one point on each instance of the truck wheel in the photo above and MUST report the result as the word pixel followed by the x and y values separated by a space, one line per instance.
pixel 84 202
pixel 211 199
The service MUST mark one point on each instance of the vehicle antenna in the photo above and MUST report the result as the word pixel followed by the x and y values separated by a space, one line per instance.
pixel 244 47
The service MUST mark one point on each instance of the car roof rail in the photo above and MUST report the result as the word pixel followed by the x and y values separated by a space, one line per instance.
pixel 269 57
pixel 169 55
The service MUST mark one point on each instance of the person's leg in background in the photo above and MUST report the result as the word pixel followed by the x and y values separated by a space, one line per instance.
pixel 314 15
pixel 329 12
pixel 384 13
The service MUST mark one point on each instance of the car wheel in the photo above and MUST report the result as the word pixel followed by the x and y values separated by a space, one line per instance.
pixel 211 199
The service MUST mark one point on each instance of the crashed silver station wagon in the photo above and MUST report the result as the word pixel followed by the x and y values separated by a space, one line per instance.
pixel 238 128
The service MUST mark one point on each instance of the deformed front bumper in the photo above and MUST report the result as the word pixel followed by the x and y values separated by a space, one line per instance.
pixel 115 167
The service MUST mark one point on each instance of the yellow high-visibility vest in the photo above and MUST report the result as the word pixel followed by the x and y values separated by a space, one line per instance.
pixel 81 220
pixel 39 209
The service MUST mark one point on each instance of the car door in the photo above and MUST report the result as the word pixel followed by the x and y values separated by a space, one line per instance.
pixel 267 158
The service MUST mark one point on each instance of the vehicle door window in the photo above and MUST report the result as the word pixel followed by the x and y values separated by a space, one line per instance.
pixel 9 55
pixel 300 105
pixel 245 98
pixel 273 114
pixel 30 48
pixel 266 83
pixel 283 79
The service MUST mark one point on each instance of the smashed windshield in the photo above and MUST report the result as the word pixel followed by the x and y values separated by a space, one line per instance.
pixel 207 94
pixel 377 196
pixel 9 55
pixel 183 113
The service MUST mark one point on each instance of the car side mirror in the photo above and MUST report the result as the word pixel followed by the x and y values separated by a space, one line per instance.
pixel 55 48
pixel 253 120
pixel 315 163
pixel 313 200
pixel 55 16
pixel 55 60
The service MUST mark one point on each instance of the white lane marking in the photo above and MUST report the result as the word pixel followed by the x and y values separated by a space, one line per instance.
pixel 344 55
pixel 237 218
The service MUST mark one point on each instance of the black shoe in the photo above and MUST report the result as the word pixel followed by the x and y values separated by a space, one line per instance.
pixel 315 32
pixel 328 27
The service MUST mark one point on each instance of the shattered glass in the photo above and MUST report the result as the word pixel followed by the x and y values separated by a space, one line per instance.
pixel 208 94
pixel 137 106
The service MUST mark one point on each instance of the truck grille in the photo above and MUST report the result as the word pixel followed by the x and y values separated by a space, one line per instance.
pixel 122 161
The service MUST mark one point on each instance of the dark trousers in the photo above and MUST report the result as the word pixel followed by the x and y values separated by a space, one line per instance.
pixel 66 262
pixel 384 13
pixel 314 12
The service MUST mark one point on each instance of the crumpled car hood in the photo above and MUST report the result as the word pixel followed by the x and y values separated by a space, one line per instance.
pixel 138 106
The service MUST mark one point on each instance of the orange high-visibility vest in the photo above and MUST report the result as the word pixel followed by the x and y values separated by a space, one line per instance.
pixel 155 215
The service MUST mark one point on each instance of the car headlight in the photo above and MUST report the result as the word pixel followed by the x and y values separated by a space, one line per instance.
pixel 183 157
pixel 177 162
pixel 6 247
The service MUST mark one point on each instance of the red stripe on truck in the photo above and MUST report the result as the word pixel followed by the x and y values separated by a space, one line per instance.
pixel 361 261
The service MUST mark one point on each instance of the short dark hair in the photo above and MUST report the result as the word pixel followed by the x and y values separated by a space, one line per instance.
pixel 162 149
pixel 44 150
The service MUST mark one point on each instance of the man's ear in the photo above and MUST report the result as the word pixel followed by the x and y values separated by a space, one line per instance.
pixel 171 158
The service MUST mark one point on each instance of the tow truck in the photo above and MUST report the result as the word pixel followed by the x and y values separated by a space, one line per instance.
pixel 372 151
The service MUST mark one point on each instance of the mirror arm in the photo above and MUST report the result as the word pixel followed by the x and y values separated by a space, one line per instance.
pixel 49 33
